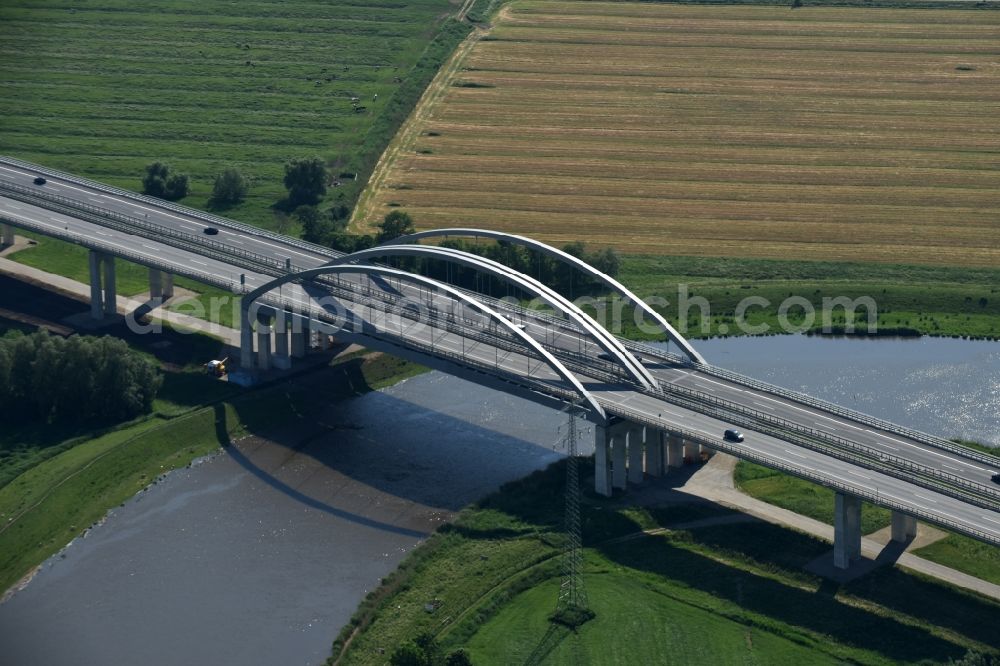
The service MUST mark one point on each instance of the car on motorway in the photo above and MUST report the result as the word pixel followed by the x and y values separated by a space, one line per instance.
pixel 996 478
pixel 733 435
pixel 40 180
pixel 604 356
pixel 211 231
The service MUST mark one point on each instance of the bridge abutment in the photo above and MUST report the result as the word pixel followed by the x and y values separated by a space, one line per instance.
pixel 904 527
pixel 846 530
pixel 7 235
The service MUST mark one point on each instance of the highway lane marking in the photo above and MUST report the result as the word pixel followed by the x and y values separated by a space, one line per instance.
pixel 863 476
pixel 925 498
pixel 794 453
pixel 195 261
pixel 279 247
pixel 990 519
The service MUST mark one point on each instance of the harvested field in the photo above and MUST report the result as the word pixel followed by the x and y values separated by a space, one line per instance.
pixel 814 133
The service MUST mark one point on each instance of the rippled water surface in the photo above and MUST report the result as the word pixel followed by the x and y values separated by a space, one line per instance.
pixel 260 555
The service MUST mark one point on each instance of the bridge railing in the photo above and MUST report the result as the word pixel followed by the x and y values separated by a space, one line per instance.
pixel 819 404
pixel 214 220
pixel 810 475
pixel 150 261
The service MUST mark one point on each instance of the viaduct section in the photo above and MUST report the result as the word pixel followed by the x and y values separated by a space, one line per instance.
pixel 650 409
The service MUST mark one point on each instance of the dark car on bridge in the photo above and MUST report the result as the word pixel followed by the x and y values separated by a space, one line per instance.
pixel 733 435
pixel 40 180
pixel 996 478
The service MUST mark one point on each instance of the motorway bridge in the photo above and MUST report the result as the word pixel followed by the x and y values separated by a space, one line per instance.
pixel 651 408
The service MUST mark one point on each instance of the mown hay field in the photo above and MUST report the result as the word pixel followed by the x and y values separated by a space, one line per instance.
pixel 814 133
pixel 102 88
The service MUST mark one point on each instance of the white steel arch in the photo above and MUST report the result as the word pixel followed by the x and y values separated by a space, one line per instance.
pixel 672 334
pixel 496 317
pixel 609 343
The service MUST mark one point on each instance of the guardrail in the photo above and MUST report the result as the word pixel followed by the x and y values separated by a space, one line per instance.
pixel 916 435
pixel 825 480
pixel 143 228
pixel 139 258
pixel 215 220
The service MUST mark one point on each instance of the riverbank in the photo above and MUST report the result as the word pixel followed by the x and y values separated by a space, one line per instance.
pixel 51 503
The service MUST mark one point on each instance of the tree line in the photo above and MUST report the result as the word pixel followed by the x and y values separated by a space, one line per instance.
pixel 75 380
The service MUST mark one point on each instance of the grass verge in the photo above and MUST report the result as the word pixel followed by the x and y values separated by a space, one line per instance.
pixel 725 594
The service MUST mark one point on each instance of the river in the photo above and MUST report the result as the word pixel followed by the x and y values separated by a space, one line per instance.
pixel 261 554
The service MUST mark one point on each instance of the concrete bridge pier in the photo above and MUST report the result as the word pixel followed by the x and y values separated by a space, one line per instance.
pixel 155 284
pixel 168 285
pixel 654 452
pixel 846 530
pixel 300 337
pixel 692 451
pixel 96 295
pixel 110 289
pixel 618 466
pixel 602 461
pixel 904 527
pixel 264 341
pixel 282 358
pixel 8 235
pixel 635 442
pixel 246 342
pixel 675 450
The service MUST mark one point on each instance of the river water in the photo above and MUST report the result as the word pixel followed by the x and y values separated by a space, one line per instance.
pixel 261 554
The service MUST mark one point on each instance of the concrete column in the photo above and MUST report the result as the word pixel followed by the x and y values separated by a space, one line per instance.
pixel 654 452
pixel 904 527
pixel 246 342
pixel 8 235
pixel 618 462
pixel 846 530
pixel 300 340
pixel 110 290
pixel 168 285
pixel 635 455
pixel 282 359
pixel 263 349
pixel 602 461
pixel 675 450
pixel 155 283
pixel 96 303
pixel 692 451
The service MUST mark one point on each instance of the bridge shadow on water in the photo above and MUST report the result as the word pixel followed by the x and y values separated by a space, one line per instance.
pixel 378 459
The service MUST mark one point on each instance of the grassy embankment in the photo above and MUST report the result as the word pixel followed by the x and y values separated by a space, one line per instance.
pixel 46 506
pixel 955 551
pixel 249 86
pixel 713 594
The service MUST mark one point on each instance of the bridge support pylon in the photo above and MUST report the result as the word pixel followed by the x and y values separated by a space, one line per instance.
pixel 110 288
pixel 635 441
pixel 846 530
pixel 904 527
pixel 264 341
pixel 282 358
pixel 300 337
pixel 654 452
pixel 602 461
pixel 619 478
pixel 675 450
pixel 96 304
pixel 8 235
pixel 692 451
